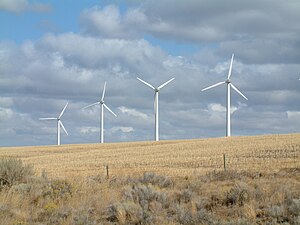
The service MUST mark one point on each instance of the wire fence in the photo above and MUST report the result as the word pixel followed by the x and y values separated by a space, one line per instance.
pixel 262 161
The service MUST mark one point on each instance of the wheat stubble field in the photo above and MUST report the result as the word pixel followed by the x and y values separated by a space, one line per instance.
pixel 173 158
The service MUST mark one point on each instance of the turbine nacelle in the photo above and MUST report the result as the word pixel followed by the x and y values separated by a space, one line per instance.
pixel 229 85
pixel 156 91
pixel 59 123
pixel 103 105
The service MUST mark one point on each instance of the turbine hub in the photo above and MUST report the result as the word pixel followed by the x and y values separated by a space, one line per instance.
pixel 156 90
pixel 101 102
pixel 228 81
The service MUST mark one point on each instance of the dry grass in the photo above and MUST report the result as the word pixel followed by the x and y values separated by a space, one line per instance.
pixel 173 158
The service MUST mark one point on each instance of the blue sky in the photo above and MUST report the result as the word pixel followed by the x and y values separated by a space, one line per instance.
pixel 56 19
pixel 53 52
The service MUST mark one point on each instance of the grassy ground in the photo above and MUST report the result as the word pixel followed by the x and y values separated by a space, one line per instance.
pixel 186 184
pixel 229 198
pixel 172 158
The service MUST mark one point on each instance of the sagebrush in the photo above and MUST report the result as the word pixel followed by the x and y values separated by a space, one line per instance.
pixel 229 197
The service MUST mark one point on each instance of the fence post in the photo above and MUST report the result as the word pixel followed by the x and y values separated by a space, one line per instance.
pixel 107 174
pixel 224 162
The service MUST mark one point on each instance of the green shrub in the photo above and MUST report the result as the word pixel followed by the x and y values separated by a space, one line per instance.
pixel 12 171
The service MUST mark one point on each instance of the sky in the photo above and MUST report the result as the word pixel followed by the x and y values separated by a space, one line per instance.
pixel 54 52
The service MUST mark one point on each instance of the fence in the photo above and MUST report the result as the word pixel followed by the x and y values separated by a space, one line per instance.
pixel 264 160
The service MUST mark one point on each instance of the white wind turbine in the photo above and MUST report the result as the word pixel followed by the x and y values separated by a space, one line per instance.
pixel 59 123
pixel 156 90
pixel 229 86
pixel 101 102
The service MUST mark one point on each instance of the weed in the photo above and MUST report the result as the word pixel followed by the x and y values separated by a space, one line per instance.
pixel 12 171
pixel 238 195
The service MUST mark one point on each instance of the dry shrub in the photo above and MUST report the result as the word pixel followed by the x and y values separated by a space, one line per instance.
pixel 12 171
pixel 83 216
pixel 59 190
pixel 184 215
pixel 143 201
pixel 145 194
pixel 154 179
pixel 153 199
pixel 248 211
pixel 125 213
pixel 293 207
pixel 229 175
pixel 239 221
pixel 182 196
pixel 238 195
pixel 148 201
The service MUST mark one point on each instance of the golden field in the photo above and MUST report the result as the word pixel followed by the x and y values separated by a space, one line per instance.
pixel 172 158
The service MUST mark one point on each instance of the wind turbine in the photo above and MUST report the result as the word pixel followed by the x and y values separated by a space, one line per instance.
pixel 59 123
pixel 156 90
pixel 229 86
pixel 101 102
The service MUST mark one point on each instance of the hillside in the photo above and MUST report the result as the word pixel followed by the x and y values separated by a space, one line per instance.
pixel 173 158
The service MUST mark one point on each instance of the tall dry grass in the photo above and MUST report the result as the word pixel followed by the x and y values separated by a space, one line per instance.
pixel 173 158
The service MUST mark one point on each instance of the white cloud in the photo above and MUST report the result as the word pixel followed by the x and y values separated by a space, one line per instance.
pixel 253 30
pixel 215 107
pixel 218 108
pixel 133 112
pixel 108 22
pixel 6 102
pixel 122 129
pixel 17 6
pixel 38 77
pixel 5 114
pixel 293 115
pixel 88 130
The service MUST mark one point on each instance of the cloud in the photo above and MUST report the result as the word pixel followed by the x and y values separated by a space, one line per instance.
pixel 133 112
pixel 6 114
pixel 39 76
pixel 216 107
pixel 18 6
pixel 294 115
pixel 6 102
pixel 87 130
pixel 253 30
pixel 122 129
pixel 108 22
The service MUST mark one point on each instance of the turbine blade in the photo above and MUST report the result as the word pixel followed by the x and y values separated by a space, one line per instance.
pixel 63 127
pixel 109 110
pixel 214 85
pixel 62 112
pixel 230 67
pixel 103 93
pixel 149 85
pixel 96 103
pixel 50 118
pixel 164 84
pixel 238 91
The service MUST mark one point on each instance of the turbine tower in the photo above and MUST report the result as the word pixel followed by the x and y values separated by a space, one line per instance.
pixel 156 90
pixel 229 86
pixel 59 123
pixel 101 102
